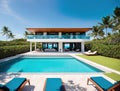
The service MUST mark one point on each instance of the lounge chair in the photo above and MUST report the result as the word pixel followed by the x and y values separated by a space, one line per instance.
pixel 16 84
pixel 90 53
pixel 53 84
pixel 103 84
pixel 77 50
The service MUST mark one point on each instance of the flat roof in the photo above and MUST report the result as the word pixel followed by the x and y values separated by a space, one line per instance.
pixel 34 30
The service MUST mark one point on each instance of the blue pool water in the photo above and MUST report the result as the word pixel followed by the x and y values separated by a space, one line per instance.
pixel 46 64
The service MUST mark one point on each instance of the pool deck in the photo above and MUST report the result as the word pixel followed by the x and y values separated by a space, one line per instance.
pixel 72 81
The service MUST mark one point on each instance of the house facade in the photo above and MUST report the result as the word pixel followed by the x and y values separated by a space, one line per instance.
pixel 59 39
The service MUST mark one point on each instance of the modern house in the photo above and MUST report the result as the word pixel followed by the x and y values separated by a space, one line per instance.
pixel 59 39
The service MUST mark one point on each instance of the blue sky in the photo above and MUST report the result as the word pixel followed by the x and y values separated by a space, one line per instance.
pixel 20 14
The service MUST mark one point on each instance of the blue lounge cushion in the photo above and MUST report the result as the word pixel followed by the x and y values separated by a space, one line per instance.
pixel 102 82
pixel 15 83
pixel 53 84
pixel 1 85
pixel 118 82
pixel 4 88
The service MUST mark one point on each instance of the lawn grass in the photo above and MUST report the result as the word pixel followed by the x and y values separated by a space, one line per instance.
pixel 114 76
pixel 105 61
pixel 108 62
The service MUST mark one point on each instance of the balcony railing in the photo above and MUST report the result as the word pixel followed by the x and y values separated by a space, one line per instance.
pixel 57 37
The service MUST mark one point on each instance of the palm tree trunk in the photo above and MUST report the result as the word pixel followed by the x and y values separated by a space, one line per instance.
pixel 106 32
pixel 6 37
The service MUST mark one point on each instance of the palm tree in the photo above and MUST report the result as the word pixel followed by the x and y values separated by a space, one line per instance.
pixel 107 22
pixel 11 36
pixel 116 17
pixel 5 32
pixel 97 32
pixel 26 33
pixel 116 27
pixel 117 14
pixel 101 32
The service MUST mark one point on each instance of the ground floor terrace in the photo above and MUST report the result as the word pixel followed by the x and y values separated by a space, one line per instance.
pixel 58 46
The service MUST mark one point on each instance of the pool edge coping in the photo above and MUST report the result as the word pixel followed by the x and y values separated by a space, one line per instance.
pixel 101 67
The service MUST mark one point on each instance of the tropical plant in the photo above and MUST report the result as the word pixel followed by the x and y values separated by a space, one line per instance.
pixel 116 16
pixel 5 32
pixel 107 22
pixel 116 28
pixel 27 33
pixel 11 36
pixel 97 32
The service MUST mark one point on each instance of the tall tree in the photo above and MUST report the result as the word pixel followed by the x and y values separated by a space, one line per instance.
pixel 106 23
pixel 117 14
pixel 97 32
pixel 116 17
pixel 5 32
pixel 11 36
pixel 27 33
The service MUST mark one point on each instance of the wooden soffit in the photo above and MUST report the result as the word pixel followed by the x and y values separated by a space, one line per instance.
pixel 34 30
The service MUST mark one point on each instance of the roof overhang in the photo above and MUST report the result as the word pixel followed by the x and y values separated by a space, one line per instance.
pixel 34 30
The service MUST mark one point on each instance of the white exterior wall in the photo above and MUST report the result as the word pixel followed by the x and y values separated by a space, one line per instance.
pixel 57 40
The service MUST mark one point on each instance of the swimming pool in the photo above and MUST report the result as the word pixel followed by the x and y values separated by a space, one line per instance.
pixel 46 64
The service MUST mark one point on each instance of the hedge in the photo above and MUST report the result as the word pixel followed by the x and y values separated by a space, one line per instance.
pixel 104 49
pixel 13 43
pixel 7 51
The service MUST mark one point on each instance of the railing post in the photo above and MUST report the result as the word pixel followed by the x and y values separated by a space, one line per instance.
pixel 45 34
pixel 60 35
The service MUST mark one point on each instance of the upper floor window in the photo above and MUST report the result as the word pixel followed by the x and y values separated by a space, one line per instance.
pixel 52 33
pixel 40 33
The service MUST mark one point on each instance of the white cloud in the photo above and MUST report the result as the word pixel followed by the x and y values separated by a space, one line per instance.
pixel 5 9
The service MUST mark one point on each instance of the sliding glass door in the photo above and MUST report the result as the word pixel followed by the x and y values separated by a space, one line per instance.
pixel 50 46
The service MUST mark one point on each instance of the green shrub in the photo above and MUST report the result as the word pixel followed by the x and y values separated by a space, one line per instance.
pixel 7 51
pixel 14 42
pixel 104 49
pixel 88 46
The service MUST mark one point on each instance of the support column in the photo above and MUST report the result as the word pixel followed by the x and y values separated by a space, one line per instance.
pixel 35 46
pixel 30 46
pixel 60 34
pixel 82 47
pixel 71 35
pixel 60 47
pixel 45 34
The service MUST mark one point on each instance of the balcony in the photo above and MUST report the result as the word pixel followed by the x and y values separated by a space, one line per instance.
pixel 58 37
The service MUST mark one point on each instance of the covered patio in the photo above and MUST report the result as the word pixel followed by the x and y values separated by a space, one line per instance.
pixel 58 46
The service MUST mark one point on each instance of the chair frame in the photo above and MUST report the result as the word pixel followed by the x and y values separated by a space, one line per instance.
pixel 22 86
pixel 99 88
